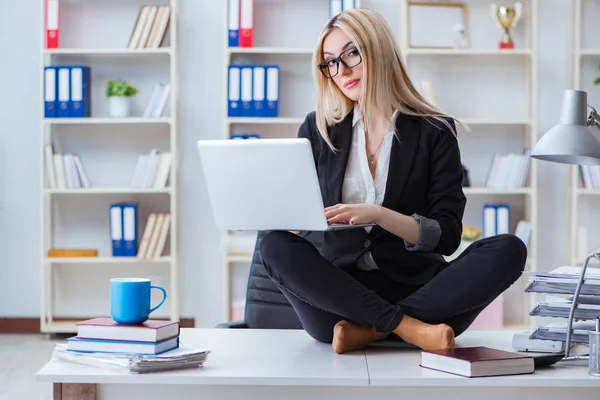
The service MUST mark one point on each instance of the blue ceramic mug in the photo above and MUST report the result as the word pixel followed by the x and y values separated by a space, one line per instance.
pixel 130 300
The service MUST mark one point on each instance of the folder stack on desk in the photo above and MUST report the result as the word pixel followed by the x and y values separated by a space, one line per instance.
pixel 560 285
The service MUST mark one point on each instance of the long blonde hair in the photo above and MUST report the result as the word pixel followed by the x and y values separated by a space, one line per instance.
pixel 386 84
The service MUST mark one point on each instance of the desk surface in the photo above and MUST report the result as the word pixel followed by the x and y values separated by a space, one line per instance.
pixel 292 358
pixel 239 357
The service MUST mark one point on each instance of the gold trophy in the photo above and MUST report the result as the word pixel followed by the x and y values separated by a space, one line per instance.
pixel 506 18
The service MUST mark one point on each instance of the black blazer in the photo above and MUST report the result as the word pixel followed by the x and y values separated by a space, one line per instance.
pixel 425 177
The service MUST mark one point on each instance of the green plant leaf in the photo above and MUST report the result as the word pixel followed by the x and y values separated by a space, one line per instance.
pixel 120 88
pixel 597 81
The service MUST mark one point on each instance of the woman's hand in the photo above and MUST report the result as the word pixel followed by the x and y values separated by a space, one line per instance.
pixel 353 213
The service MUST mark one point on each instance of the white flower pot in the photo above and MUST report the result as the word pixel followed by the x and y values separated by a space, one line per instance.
pixel 119 106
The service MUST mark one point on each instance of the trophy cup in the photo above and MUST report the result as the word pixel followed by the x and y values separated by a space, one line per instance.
pixel 506 18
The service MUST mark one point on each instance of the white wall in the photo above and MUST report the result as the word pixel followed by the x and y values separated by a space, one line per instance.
pixel 201 111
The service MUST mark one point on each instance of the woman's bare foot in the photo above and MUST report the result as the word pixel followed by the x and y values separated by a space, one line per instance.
pixel 348 336
pixel 425 336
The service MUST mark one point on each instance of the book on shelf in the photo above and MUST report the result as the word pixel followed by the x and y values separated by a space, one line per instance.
pixel 589 176
pixel 72 253
pixel 152 170
pixel 178 358
pixel 150 29
pixel 508 171
pixel 106 328
pixel 154 237
pixel 64 171
pixel 477 361
pixel 158 100
pixel 75 343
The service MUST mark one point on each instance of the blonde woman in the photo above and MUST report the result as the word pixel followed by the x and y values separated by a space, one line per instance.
pixel 384 156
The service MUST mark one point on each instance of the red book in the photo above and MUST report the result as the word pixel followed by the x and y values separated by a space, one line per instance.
pixel 477 361
pixel 246 38
pixel 52 24
pixel 106 328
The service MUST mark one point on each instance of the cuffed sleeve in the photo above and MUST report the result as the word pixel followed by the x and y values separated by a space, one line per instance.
pixel 429 234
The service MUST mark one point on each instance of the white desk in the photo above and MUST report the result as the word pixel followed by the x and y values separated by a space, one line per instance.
pixel 264 364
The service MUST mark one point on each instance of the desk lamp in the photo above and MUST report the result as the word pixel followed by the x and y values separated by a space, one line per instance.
pixel 575 140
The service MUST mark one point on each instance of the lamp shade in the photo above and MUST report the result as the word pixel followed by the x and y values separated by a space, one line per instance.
pixel 572 141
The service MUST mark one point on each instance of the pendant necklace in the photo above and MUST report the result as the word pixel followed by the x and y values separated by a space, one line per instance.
pixel 371 158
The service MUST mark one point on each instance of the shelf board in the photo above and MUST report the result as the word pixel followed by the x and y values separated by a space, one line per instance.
pixel 488 191
pixel 107 120
pixel 258 120
pixel 60 327
pixel 230 258
pixel 484 121
pixel 269 50
pixel 106 260
pixel 588 52
pixel 107 52
pixel 588 192
pixel 469 52
pixel 108 190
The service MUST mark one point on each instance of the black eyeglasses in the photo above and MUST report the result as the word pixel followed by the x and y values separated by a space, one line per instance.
pixel 331 67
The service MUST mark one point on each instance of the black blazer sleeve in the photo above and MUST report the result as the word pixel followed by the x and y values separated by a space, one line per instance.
pixel 446 199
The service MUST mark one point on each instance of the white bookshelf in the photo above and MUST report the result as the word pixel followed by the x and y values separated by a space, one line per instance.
pixel 73 288
pixel 582 202
pixel 491 129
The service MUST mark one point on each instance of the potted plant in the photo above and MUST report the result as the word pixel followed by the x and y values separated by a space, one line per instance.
pixel 119 95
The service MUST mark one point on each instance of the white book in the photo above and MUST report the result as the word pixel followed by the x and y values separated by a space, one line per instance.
pixel 153 100
pixel 139 27
pixel 162 101
pixel 61 180
pixel 85 182
pixel 50 174
pixel 162 175
pixel 146 236
pixel 152 11
pixel 151 168
pixel 155 234
pixel 162 237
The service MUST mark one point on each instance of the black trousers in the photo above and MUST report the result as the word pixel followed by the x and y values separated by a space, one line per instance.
pixel 323 294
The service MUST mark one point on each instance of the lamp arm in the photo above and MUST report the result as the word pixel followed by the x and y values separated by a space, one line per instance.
pixel 574 305
pixel 593 118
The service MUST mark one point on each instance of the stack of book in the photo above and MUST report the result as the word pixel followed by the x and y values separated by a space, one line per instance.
pixel 105 335
pixel 148 347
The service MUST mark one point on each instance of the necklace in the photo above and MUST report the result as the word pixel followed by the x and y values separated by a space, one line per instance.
pixel 371 158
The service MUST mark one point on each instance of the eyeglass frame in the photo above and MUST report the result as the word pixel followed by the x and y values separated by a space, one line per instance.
pixel 338 60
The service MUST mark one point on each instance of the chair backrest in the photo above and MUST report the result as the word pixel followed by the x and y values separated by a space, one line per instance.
pixel 266 306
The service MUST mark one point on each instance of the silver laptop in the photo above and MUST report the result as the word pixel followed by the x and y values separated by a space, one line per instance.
pixel 264 184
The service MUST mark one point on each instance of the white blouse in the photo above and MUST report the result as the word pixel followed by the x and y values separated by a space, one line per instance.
pixel 359 187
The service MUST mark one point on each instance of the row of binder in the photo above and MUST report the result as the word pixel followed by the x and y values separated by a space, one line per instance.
pixel 253 91
pixel 123 229
pixel 240 15
pixel 124 232
pixel 496 219
pixel 67 91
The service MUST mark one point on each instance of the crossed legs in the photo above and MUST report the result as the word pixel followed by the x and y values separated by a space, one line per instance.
pixel 351 308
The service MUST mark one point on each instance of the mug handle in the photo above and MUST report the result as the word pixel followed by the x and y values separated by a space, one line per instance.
pixel 164 292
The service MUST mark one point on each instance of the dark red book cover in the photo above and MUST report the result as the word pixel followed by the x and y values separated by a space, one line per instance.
pixel 474 354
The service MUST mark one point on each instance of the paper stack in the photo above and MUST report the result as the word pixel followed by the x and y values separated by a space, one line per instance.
pixel 179 358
